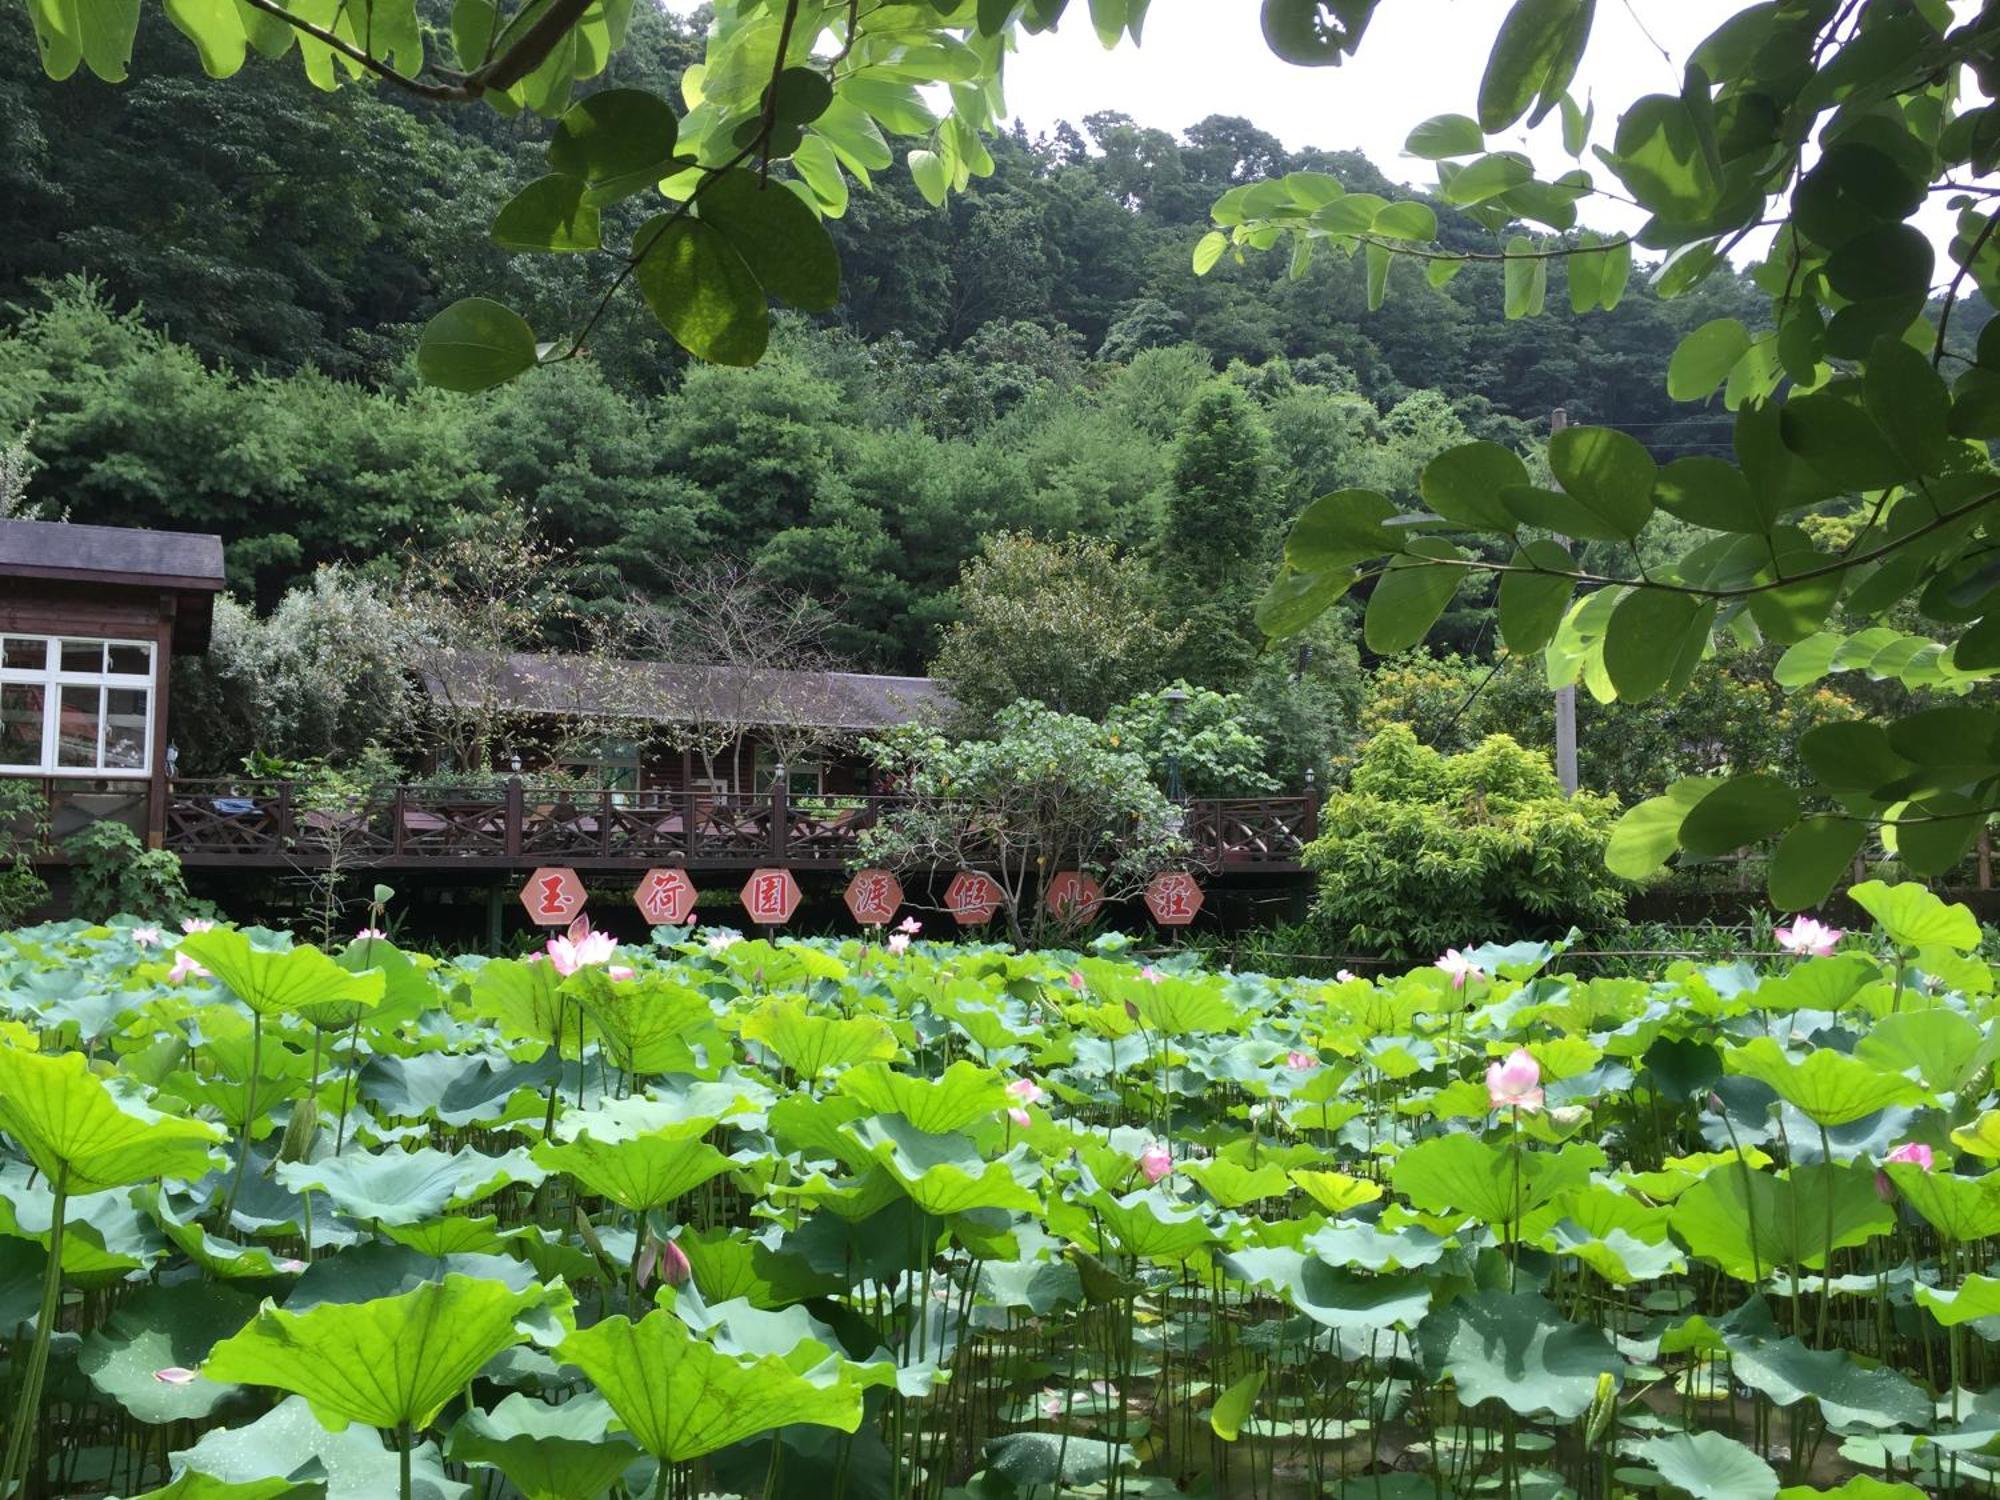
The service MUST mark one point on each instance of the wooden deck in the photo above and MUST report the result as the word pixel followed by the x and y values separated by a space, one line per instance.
pixel 249 823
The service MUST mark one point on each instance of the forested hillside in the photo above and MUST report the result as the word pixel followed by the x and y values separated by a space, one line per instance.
pixel 215 289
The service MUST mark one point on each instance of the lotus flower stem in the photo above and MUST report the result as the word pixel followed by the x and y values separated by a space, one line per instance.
pixel 249 1113
pixel 21 1440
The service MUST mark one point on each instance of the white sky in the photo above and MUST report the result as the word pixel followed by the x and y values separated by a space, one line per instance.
pixel 1419 58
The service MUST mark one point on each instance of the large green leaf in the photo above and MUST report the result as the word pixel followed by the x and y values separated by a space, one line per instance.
pixel 617 142
pixel 1233 1407
pixel 1516 1348
pixel 1341 529
pixel 407 1187
pixel 1811 858
pixel 1703 359
pixel 782 241
pixel 1410 596
pixel 810 1045
pixel 280 981
pixel 547 1452
pixel 1464 1173
pixel 1750 1223
pixel 1463 484
pixel 548 214
pixel 1915 918
pixel 1709 1465
pixel 78 1132
pixel 163 1328
pixel 942 1174
pixel 1534 57
pixel 1741 811
pixel 1830 1088
pixel 1654 641
pixel 642 1171
pixel 288 1440
pixel 1532 604
pixel 962 1095
pixel 1332 1296
pixel 1646 837
pixel 474 345
pixel 702 291
pixel 1608 473
pixel 679 1397
pixel 390 1360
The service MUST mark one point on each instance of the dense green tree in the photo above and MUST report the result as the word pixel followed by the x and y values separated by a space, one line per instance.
pixel 1215 550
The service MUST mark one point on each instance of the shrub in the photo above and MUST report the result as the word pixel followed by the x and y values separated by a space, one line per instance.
pixel 22 827
pixel 1424 850
pixel 116 875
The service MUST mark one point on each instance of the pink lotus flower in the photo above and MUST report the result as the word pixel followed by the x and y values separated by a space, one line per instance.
pixel 1299 1060
pixel 898 943
pixel 1515 1083
pixel 909 926
pixel 186 968
pixel 196 924
pixel 176 1375
pixel 1156 1162
pixel 1809 937
pixel 1460 967
pixel 570 953
pixel 1076 981
pixel 1053 1404
pixel 371 935
pixel 666 1257
pixel 1026 1091
pixel 1150 974
pixel 1344 976
pixel 1020 1117
pixel 145 937
pixel 1915 1152
pixel 290 1266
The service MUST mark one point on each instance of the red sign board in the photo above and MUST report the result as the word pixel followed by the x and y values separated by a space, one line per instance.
pixel 1074 897
pixel 1174 898
pixel 553 895
pixel 873 896
pixel 770 896
pixel 972 898
pixel 665 896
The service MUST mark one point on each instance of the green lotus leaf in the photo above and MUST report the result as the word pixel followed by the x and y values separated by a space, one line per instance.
pixel 1941 1047
pixel 1849 1393
pixel 942 1174
pixel 1915 918
pixel 1375 1248
pixel 1335 1192
pixel 1828 1087
pixel 390 1360
pixel 1981 1138
pixel 1471 1176
pixel 1961 1209
pixel 1183 1007
pixel 214 1254
pixel 80 1133
pixel 964 1094
pixel 521 999
pixel 1516 1348
pixel 1025 1461
pixel 163 1328
pixel 188 1485
pixel 810 1045
pixel 1860 1487
pixel 680 1397
pixel 1709 1465
pixel 458 1089
pixel 407 1187
pixel 1234 1406
pixel 105 1238
pixel 1751 1223
pixel 1974 1297
pixel 649 1022
pixel 288 1440
pixel 639 1172
pixel 1332 1296
pixel 547 1452
pixel 1232 1184
pixel 299 981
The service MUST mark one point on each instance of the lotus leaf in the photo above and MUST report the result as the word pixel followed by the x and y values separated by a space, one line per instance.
pixel 1829 1087
pixel 680 1397
pixel 81 1133
pixel 1517 1349
pixel 163 1328
pixel 547 1452
pixel 639 1171
pixel 277 981
pixel 810 1045
pixel 407 1187
pixel 390 1360
pixel 1710 1465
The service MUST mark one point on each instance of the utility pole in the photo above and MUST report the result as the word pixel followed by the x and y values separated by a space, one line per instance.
pixel 1565 696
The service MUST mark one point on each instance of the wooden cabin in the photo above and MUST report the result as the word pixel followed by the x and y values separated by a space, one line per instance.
pixel 90 620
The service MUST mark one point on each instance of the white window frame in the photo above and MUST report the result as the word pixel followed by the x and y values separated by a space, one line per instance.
pixel 52 679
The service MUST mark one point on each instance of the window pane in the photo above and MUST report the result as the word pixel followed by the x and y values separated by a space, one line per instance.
pixel 131 661
pixel 125 728
pixel 25 653
pixel 20 724
pixel 76 728
pixel 83 656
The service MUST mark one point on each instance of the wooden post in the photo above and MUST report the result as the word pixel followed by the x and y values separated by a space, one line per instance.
pixel 284 815
pixel 397 808
pixel 604 823
pixel 515 815
pixel 780 814
pixel 158 790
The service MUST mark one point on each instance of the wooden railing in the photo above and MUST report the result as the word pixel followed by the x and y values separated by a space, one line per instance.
pixel 252 821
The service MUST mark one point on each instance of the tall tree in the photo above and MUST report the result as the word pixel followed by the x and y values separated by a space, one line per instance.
pixel 1215 543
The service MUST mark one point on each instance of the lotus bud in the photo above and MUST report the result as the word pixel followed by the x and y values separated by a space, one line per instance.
pixel 300 1130
pixel 1603 1407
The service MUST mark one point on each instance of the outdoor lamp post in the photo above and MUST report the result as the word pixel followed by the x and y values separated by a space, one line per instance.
pixel 1176 707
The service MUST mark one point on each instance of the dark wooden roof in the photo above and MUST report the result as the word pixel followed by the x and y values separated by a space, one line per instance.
pixel 186 564
pixel 667 692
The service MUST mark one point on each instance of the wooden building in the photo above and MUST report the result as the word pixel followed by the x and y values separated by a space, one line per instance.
pixel 90 620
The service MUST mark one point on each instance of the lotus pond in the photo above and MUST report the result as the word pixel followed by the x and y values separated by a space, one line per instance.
pixel 839 1221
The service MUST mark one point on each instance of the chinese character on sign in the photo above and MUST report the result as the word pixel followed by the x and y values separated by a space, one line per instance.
pixel 873 896
pixel 770 896
pixel 1174 898
pixel 666 896
pixel 553 896
pixel 972 898
pixel 1074 897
